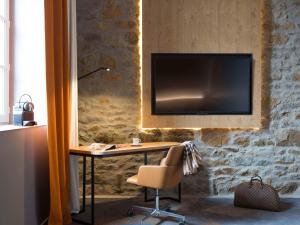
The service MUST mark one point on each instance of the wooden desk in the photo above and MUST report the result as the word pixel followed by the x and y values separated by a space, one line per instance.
pixel 122 149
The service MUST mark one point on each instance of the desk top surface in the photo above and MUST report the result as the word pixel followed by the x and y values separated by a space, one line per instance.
pixel 123 149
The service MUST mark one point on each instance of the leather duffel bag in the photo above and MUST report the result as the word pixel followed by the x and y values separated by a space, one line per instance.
pixel 256 195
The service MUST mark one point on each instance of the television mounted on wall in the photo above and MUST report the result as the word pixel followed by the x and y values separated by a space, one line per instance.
pixel 201 84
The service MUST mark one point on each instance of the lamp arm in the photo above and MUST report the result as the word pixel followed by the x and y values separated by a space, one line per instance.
pixel 94 71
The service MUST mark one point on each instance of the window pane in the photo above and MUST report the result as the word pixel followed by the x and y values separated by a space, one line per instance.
pixel 2 42
pixel 2 8
pixel 2 91
pixel 3 61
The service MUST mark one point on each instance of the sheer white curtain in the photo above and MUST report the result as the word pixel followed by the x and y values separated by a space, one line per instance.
pixel 74 173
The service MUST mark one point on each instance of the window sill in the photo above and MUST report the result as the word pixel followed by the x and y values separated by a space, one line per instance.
pixel 9 127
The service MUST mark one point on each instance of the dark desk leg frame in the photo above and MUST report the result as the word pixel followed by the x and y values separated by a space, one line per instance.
pixel 84 191
pixel 83 183
pixel 162 198
pixel 145 188
pixel 93 190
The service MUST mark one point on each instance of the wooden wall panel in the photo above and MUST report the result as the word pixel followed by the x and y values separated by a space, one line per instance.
pixel 201 26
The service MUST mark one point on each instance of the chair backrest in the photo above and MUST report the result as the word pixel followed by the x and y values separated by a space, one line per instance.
pixel 174 156
pixel 174 164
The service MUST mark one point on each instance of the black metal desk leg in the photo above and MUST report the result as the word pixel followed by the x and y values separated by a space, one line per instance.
pixel 145 189
pixel 179 192
pixel 92 191
pixel 83 183
pixel 84 192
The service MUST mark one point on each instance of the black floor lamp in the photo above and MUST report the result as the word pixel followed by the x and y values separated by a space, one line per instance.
pixel 94 71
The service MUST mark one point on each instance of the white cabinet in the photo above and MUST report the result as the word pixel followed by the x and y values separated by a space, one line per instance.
pixel 24 176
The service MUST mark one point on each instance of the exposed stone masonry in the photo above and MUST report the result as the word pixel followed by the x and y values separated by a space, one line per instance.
pixel 109 104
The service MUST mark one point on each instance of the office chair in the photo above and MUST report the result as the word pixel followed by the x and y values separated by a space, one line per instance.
pixel 166 175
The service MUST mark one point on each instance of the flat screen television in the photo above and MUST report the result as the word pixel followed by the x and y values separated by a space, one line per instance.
pixel 201 84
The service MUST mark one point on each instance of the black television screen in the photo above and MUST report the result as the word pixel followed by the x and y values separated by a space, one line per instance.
pixel 201 84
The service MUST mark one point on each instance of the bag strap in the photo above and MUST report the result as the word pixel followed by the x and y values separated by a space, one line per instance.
pixel 24 95
pixel 258 178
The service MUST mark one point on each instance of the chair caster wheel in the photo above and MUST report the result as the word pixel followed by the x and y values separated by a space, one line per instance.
pixel 130 212
pixel 168 209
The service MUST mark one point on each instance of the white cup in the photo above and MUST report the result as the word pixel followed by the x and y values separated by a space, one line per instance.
pixel 136 141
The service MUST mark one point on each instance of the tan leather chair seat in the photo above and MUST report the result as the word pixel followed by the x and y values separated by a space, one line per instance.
pixel 133 179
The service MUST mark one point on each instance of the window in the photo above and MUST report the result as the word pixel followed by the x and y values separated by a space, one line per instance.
pixel 4 62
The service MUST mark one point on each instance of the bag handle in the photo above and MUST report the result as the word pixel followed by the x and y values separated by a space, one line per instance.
pixel 24 95
pixel 258 178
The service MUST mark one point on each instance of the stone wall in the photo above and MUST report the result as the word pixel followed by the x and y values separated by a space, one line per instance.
pixel 109 104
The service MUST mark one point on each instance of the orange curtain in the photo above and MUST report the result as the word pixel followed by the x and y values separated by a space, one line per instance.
pixel 58 104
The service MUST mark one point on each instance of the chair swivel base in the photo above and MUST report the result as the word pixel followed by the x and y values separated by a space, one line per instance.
pixel 156 212
pixel 159 213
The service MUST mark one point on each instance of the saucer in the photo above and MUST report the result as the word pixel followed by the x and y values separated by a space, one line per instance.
pixel 136 144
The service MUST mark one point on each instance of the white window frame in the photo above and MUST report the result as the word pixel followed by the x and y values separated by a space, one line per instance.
pixel 4 116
